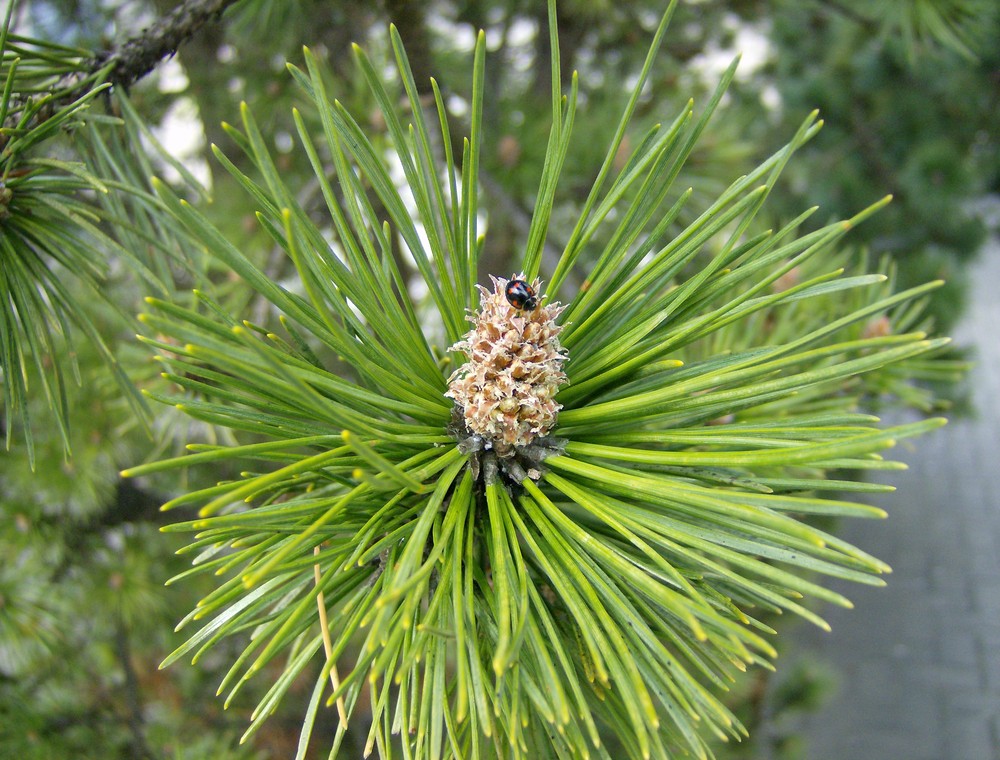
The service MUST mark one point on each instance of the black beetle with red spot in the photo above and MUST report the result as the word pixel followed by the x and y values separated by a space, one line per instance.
pixel 521 295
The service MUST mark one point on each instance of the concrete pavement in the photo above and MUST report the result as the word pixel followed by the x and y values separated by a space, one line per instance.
pixel 918 662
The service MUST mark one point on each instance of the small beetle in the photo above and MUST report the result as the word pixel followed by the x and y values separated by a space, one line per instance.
pixel 521 295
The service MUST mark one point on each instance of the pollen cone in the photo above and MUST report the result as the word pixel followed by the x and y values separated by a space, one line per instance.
pixel 505 390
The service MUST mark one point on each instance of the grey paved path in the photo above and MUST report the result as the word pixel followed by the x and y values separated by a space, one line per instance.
pixel 919 661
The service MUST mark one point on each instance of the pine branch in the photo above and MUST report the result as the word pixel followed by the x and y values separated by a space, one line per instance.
pixel 585 569
pixel 140 55
pixel 47 205
pixel 122 66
